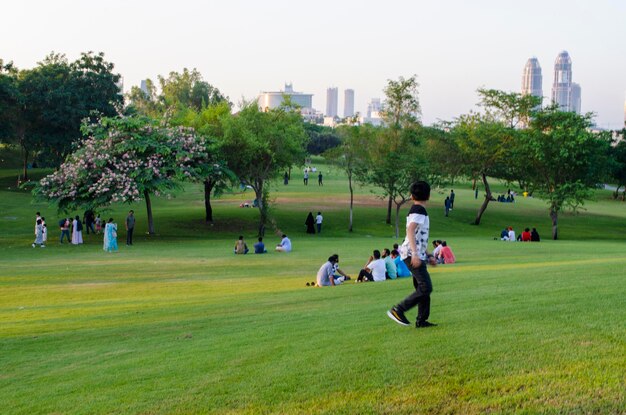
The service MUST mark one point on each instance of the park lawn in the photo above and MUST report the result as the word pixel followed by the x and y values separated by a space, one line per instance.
pixel 177 324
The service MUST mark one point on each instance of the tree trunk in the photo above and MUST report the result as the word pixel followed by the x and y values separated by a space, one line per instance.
pixel 25 153
pixel 389 202
pixel 208 188
pixel 397 218
pixel 616 192
pixel 149 209
pixel 488 198
pixel 351 200
pixel 474 183
pixel 554 215
pixel 261 202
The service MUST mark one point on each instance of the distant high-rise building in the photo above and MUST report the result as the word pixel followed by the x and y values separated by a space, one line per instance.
pixel 575 98
pixel 271 100
pixel 531 79
pixel 348 103
pixel 373 108
pixel 332 102
pixel 144 86
pixel 562 86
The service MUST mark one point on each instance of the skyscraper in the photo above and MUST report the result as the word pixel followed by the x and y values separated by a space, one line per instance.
pixel 562 86
pixel 575 98
pixel 348 103
pixel 531 79
pixel 332 101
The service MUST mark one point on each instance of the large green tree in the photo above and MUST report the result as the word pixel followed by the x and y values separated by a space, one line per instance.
pixel 350 155
pixel 565 158
pixel 45 105
pixel 258 145
pixel 401 117
pixel 618 173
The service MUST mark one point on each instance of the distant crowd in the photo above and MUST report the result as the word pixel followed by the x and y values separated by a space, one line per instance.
pixel 71 230
pixel 508 234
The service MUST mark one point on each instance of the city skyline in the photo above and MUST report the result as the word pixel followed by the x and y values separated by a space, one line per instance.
pixel 454 47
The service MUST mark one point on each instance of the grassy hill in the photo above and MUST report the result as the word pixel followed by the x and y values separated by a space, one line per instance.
pixel 178 324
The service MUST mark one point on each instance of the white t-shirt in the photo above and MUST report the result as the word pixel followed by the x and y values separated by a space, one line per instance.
pixel 512 235
pixel 318 219
pixel 437 250
pixel 417 215
pixel 378 269
pixel 286 244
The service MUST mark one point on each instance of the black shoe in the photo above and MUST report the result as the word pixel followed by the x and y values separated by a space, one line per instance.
pixel 424 324
pixel 398 316
pixel 347 278
pixel 308 285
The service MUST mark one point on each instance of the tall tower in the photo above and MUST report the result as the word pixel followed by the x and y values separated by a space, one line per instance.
pixel 575 98
pixel 348 103
pixel 562 86
pixel 332 101
pixel 531 79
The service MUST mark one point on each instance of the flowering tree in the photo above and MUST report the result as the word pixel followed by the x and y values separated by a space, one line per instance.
pixel 124 160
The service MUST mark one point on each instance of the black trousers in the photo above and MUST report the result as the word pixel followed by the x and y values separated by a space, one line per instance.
pixel 365 276
pixel 129 236
pixel 421 296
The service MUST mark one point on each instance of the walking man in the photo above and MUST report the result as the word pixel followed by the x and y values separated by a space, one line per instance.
pixel 452 199
pixel 415 255
pixel 318 222
pixel 320 179
pixel 130 227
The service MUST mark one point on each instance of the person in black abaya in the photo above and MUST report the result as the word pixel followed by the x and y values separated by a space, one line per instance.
pixel 310 223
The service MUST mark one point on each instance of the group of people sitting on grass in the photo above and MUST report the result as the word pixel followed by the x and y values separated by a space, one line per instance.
pixel 508 234
pixel 241 248
pixel 442 253
pixel 379 267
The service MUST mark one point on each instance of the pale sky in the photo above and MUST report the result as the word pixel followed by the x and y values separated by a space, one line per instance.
pixel 244 47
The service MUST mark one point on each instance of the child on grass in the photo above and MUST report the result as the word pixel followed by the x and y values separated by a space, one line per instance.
pixel 414 254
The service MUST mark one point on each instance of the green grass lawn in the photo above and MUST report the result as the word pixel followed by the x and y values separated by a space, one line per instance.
pixel 178 324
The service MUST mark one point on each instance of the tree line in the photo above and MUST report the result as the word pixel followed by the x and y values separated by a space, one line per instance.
pixel 109 148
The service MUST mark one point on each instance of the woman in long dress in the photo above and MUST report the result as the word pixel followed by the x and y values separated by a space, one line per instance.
pixel 310 223
pixel 77 231
pixel 110 236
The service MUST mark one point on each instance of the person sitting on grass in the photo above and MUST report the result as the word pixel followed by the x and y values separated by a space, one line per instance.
pixel 390 266
pixel 437 251
pixel 526 235
pixel 284 245
pixel 374 270
pixel 259 247
pixel 534 235
pixel 401 268
pixel 446 254
pixel 325 275
pixel 336 269
pixel 240 246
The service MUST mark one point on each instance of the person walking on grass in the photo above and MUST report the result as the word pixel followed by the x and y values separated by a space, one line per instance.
pixel 39 234
pixel 130 227
pixel 77 231
pixel 415 255
pixel 110 236
pixel 318 222
pixel 64 224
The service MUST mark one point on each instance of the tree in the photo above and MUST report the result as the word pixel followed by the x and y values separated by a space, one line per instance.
pixel 321 138
pixel 49 102
pixel 215 174
pixel 188 90
pixel 350 155
pixel 123 160
pixel 258 145
pixel 618 173
pixel 510 108
pixel 401 114
pixel 565 158
pixel 484 146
